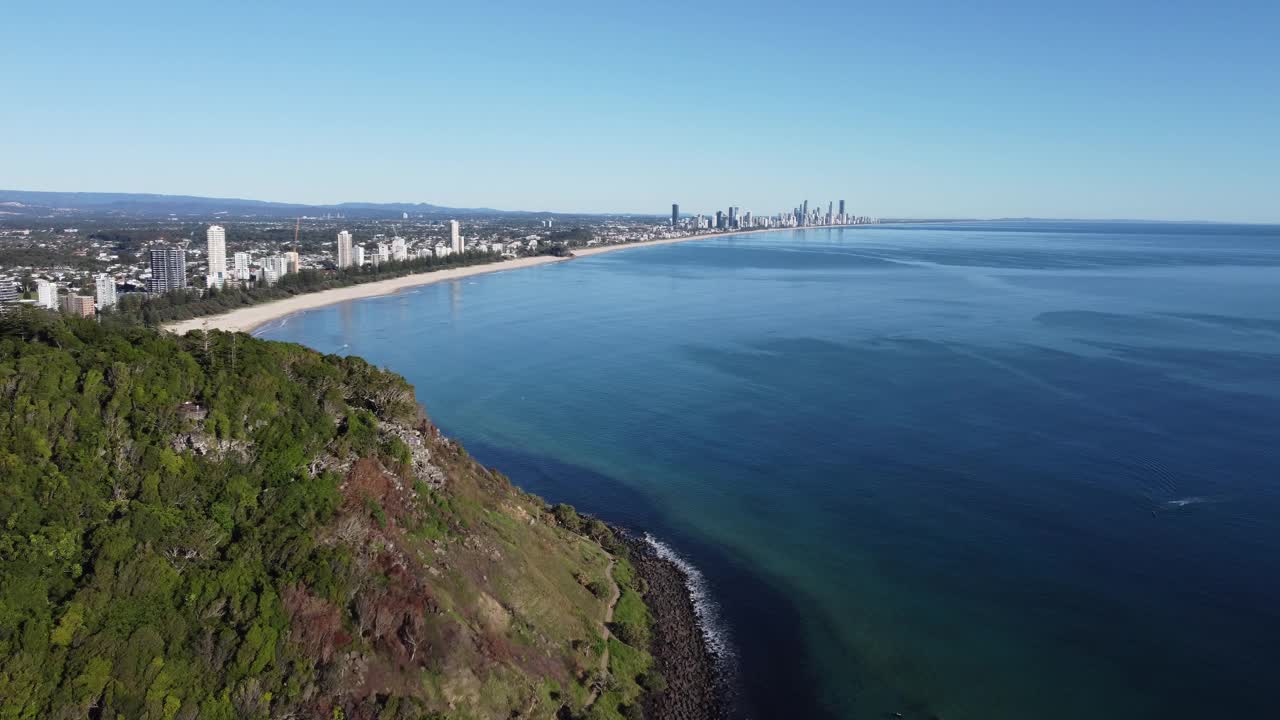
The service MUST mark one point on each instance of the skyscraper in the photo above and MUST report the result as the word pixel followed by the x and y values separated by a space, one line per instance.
pixel 217 238
pixel 455 239
pixel 168 269
pixel 292 263
pixel 106 290
pixel 675 214
pixel 344 249
pixel 719 219
pixel 357 255
pixel 841 208
pixel 46 294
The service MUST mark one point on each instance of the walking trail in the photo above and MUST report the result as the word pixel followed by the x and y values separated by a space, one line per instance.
pixel 615 593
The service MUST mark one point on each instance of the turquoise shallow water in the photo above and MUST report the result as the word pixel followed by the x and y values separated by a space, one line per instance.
pixel 1003 470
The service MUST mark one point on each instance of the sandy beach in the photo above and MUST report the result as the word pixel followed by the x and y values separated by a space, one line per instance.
pixel 249 318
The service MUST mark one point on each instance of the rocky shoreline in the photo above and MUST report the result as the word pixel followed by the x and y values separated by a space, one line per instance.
pixel 694 686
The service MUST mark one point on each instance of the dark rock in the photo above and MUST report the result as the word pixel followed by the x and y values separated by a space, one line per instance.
pixel 694 690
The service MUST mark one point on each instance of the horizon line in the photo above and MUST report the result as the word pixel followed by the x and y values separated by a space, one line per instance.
pixel 481 208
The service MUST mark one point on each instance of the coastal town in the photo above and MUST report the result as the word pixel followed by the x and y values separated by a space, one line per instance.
pixel 93 265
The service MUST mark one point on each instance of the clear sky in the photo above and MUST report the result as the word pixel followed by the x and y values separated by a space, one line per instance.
pixel 952 109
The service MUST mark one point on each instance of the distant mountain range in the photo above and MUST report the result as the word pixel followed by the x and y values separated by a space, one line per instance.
pixel 25 203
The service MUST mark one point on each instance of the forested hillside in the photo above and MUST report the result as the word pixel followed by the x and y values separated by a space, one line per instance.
pixel 217 527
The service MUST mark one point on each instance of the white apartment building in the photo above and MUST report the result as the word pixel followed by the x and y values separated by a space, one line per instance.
pixel 344 249
pixel 46 294
pixel 455 239
pixel 217 237
pixel 106 290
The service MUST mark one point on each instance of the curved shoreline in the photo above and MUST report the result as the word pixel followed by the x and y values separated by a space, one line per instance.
pixel 252 317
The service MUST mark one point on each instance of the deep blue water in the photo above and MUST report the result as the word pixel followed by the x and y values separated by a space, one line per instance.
pixel 978 470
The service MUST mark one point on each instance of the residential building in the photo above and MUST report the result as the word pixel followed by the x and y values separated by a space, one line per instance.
pixel 292 262
pixel 217 237
pixel 106 291
pixel 273 268
pixel 344 249
pixel 399 251
pixel 357 255
pixel 455 239
pixel 240 271
pixel 168 269
pixel 78 305
pixel 675 214
pixel 46 294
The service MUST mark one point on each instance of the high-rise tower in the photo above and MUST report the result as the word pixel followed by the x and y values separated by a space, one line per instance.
pixel 344 249
pixel 217 237
pixel 168 269
pixel 455 239
pixel 105 287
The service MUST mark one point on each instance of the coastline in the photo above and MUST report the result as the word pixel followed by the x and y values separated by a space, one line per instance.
pixel 250 318
pixel 695 684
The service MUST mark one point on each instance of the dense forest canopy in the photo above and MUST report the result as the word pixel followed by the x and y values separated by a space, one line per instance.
pixel 213 526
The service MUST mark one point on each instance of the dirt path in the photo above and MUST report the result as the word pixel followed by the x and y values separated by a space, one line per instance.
pixel 615 593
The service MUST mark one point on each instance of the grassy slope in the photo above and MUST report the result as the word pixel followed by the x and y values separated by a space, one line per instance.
pixel 298 542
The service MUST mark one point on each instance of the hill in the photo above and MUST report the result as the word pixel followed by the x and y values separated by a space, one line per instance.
pixel 30 203
pixel 212 526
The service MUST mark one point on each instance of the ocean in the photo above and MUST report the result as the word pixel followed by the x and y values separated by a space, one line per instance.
pixel 998 470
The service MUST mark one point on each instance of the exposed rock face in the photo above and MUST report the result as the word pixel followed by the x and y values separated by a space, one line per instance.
pixel 205 444
pixel 417 439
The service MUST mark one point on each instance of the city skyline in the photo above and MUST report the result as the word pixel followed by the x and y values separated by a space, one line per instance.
pixel 1132 111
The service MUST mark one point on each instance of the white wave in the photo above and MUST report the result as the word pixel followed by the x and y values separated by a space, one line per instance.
pixel 714 631
pixel 1183 502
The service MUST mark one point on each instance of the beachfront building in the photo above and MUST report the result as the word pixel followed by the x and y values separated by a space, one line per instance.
pixel 399 251
pixel 240 268
pixel 455 238
pixel 344 249
pixel 46 295
pixel 78 305
pixel 273 268
pixel 292 262
pixel 105 287
pixel 168 269
pixel 216 236
pixel 442 250
pixel 357 256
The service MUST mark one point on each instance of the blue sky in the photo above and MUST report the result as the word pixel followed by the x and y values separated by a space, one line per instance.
pixel 1117 109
